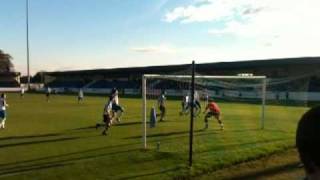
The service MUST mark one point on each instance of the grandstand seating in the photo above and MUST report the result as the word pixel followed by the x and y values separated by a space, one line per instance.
pixel 97 84
pixel 9 84
pixel 168 84
pixel 117 84
pixel 314 84
pixel 66 84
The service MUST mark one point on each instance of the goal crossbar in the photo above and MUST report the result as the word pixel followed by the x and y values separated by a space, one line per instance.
pixel 153 76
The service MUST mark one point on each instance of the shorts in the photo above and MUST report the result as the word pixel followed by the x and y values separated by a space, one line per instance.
pixel 116 108
pixel 162 108
pixel 197 104
pixel 2 114
pixel 47 94
pixel 212 113
pixel 80 98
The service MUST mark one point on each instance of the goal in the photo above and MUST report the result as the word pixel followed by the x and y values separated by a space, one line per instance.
pixel 207 82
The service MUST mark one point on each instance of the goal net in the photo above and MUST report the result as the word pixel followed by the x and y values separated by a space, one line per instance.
pixel 259 113
pixel 175 94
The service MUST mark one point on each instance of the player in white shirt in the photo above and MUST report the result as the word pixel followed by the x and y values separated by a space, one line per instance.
pixel 197 100
pixel 80 95
pixel 185 104
pixel 117 110
pixel 162 105
pixel 3 105
pixel 112 110
pixel 48 92
pixel 22 92
pixel 106 117
pixel 197 104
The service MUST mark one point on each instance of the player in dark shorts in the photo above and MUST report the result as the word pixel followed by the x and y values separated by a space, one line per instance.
pixel 80 96
pixel 106 118
pixel 48 91
pixel 22 92
pixel 112 110
pixel 162 106
pixel 212 109
pixel 117 110
pixel 185 105
pixel 197 104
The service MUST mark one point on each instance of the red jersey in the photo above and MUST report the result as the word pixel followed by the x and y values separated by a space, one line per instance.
pixel 213 107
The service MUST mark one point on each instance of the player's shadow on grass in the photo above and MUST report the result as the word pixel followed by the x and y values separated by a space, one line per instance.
pixel 164 134
pixel 237 145
pixel 85 128
pixel 28 169
pixel 278 131
pixel 243 130
pixel 71 158
pixel 19 163
pixel 115 124
pixel 127 123
pixel 16 168
pixel 29 136
pixel 150 174
pixel 198 132
pixel 38 142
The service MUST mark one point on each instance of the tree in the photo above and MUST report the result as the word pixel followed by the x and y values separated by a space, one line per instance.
pixel 5 62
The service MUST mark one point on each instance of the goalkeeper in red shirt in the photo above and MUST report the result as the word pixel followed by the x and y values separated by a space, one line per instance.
pixel 212 109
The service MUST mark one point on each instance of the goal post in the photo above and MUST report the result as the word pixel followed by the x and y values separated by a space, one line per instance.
pixel 144 111
pixel 146 77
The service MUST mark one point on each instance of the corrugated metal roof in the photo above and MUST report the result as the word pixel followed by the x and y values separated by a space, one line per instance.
pixel 267 63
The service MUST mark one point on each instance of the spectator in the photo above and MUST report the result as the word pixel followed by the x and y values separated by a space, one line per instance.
pixel 308 142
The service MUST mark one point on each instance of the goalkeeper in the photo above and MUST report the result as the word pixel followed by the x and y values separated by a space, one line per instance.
pixel 212 109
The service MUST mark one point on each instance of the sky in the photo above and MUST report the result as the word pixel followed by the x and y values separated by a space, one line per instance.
pixel 88 34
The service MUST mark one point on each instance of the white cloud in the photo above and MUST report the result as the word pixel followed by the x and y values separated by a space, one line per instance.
pixel 209 10
pixel 291 24
pixel 283 28
pixel 154 49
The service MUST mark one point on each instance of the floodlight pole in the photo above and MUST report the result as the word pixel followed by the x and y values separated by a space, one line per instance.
pixel 27 31
pixel 191 116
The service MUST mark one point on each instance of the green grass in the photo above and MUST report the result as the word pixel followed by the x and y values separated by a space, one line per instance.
pixel 57 140
pixel 282 165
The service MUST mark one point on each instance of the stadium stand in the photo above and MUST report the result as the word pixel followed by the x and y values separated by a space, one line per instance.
pixel 66 84
pixel 9 84
pixel 288 77
pixel 112 84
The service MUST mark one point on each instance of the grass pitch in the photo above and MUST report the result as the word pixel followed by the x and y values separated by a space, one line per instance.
pixel 58 140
